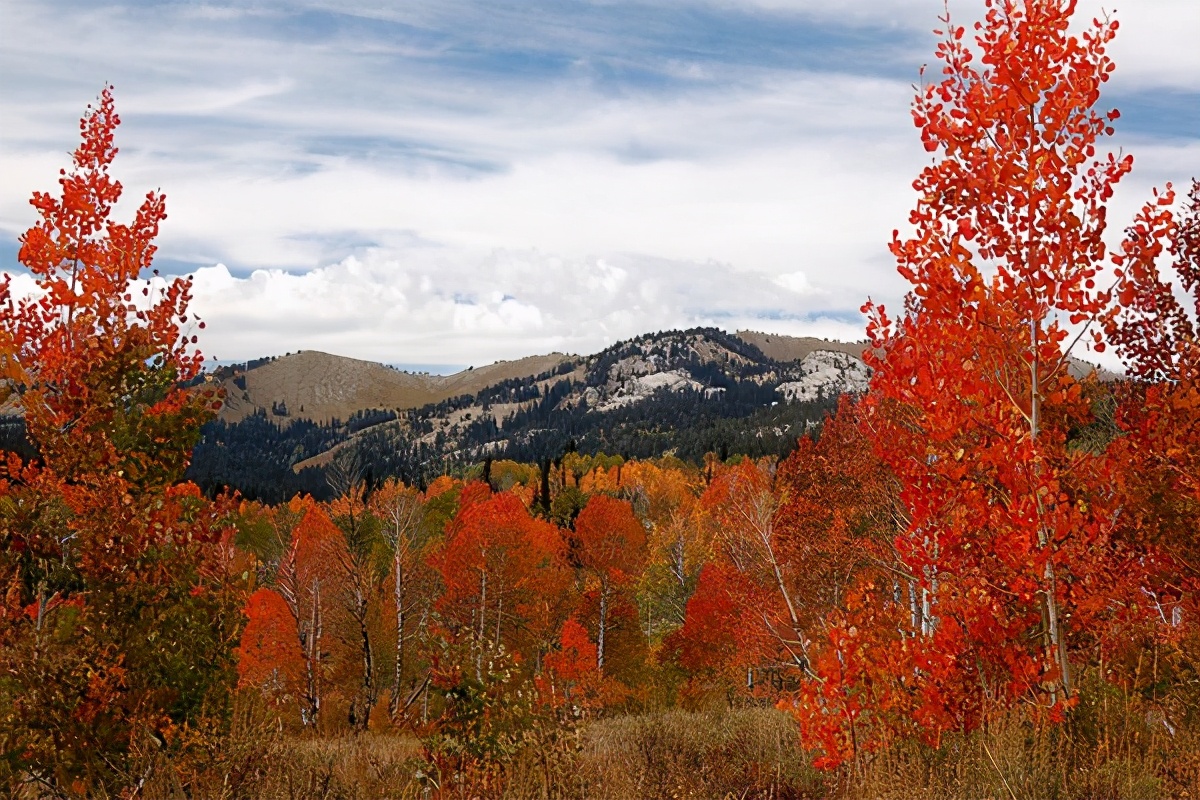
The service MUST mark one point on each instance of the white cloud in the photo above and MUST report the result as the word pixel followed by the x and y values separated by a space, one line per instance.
pixel 205 100
pixel 1155 44
pixel 428 308
pixel 796 282
pixel 491 182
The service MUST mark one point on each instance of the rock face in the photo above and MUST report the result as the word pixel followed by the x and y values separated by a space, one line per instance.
pixel 635 389
pixel 669 362
pixel 826 373
pixel 676 361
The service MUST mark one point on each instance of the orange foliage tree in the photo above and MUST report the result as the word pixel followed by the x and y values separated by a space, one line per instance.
pixel 269 656
pixel 612 549
pixel 721 640
pixel 839 513
pixel 664 496
pixel 743 505
pixel 505 578
pixel 298 551
pixel 100 360
pixel 406 532
pixel 839 516
pixel 362 563
pixel 573 676
pixel 131 625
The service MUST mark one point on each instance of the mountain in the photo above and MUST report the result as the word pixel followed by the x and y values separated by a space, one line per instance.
pixel 681 393
pixel 678 392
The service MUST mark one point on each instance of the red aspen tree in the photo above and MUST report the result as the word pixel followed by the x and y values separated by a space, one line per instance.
pixel 1157 333
pixel 504 576
pixel 972 401
pixel 612 548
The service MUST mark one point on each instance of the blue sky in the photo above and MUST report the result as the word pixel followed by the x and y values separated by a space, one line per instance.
pixel 457 182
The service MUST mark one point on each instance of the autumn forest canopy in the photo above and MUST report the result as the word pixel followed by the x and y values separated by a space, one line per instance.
pixel 981 543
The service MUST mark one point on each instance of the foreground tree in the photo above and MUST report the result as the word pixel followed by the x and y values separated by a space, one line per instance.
pixel 1009 535
pixel 118 622
pixel 1157 333
pixel 102 357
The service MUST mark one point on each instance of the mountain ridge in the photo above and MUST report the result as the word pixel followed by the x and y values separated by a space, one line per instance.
pixel 324 387
pixel 684 393
pixel 321 386
pixel 671 392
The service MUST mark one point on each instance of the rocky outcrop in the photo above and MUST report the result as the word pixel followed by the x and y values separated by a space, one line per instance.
pixel 636 389
pixel 825 374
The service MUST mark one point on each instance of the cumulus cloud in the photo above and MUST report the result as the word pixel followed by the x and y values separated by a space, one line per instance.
pixel 796 282
pixel 427 308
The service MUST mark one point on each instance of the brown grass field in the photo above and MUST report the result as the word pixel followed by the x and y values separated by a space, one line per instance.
pixel 1112 749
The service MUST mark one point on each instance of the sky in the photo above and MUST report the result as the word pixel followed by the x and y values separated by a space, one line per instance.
pixel 446 183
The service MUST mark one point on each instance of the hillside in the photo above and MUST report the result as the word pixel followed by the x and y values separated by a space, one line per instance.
pixel 794 348
pixel 320 387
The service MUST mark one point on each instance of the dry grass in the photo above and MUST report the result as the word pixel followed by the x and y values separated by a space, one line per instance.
pixel 368 766
pixel 348 767
pixel 257 759
pixel 1112 748
pixel 1012 761
pixel 746 753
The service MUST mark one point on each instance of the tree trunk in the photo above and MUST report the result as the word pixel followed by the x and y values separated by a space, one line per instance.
pixel 366 701
pixel 499 615
pixel 1054 643
pixel 312 657
pixel 398 670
